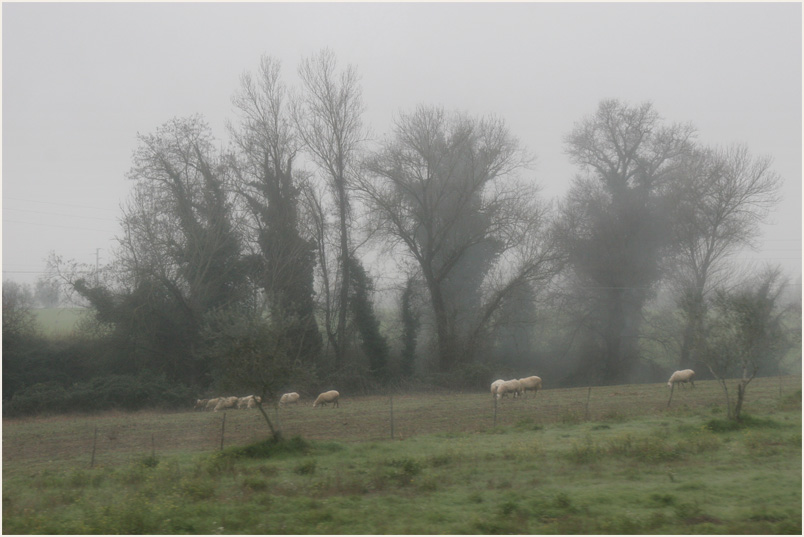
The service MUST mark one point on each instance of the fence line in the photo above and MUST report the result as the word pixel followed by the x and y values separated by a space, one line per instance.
pixel 108 439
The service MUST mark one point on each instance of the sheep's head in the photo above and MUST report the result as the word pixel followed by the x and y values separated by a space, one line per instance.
pixel 669 384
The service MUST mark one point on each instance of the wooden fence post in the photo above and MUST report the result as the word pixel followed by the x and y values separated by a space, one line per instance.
pixel 223 429
pixel 494 398
pixel 392 417
pixel 94 443
pixel 588 396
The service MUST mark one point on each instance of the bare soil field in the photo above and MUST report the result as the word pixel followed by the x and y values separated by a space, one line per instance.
pixel 120 436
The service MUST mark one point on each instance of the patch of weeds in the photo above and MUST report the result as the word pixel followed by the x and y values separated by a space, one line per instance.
pixel 600 427
pixel 270 448
pixel 47 480
pixel 700 442
pixel 217 463
pixel 746 421
pixel 444 459
pixel 82 479
pixel 662 500
pixel 496 526
pixel 522 451
pixel 502 484
pixel 527 424
pixel 613 416
pixel 656 449
pixel 571 417
pixel 306 468
pixel 132 475
pixel 428 484
pixel 791 402
pixel 197 489
pixel 255 484
pixel 657 520
pixel 791 526
pixel 765 515
pixel 148 461
pixel 508 508
pixel 584 452
pixel 692 485
pixel 621 524
pixel 475 497
pixel 687 512
pixel 408 467
pixel 268 471
pixel 761 444
pixel 549 509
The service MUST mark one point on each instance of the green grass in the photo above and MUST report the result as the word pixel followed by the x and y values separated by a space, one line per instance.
pixel 649 474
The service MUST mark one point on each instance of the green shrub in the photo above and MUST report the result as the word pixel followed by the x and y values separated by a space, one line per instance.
pixel 269 448
pixel 125 392
pixel 306 468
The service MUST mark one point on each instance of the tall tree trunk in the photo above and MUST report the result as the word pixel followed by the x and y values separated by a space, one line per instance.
pixel 340 350
pixel 692 329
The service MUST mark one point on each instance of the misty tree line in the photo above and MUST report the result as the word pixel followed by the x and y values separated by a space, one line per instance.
pixel 249 265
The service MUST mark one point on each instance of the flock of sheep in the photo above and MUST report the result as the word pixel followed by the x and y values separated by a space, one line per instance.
pixel 499 388
pixel 516 387
pixel 251 401
pixel 224 403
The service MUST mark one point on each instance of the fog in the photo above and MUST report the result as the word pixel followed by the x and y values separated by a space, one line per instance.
pixel 81 80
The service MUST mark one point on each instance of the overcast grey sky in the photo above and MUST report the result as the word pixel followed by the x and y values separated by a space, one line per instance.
pixel 81 80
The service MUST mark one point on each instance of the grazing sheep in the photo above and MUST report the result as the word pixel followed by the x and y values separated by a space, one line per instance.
pixel 495 385
pixel 327 397
pixel 532 384
pixel 681 377
pixel 509 386
pixel 249 401
pixel 226 402
pixel 212 403
pixel 200 404
pixel 289 398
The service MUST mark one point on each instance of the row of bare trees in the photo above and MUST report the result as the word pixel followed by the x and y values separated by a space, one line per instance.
pixel 245 263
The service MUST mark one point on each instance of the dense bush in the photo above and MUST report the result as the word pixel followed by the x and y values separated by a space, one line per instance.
pixel 124 392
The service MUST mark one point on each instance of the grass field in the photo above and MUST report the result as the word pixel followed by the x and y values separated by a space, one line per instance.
pixel 633 467
pixel 56 322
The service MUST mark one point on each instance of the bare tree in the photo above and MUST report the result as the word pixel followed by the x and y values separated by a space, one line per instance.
pixel 328 114
pixel 267 147
pixel 443 189
pixel 616 224
pixel 727 193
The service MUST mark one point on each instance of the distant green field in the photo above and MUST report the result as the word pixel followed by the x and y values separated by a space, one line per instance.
pixel 59 321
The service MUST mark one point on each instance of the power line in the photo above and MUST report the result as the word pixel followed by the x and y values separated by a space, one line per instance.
pixel 60 204
pixel 107 219
pixel 54 225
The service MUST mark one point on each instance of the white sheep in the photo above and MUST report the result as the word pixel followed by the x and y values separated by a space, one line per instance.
pixel 200 404
pixel 289 398
pixel 509 386
pixel 212 403
pixel 495 385
pixel 226 402
pixel 532 384
pixel 249 401
pixel 681 377
pixel 327 397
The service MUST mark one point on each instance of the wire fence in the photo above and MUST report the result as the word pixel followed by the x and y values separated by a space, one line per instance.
pixel 116 437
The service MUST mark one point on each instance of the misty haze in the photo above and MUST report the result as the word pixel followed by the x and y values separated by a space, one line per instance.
pixel 494 263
